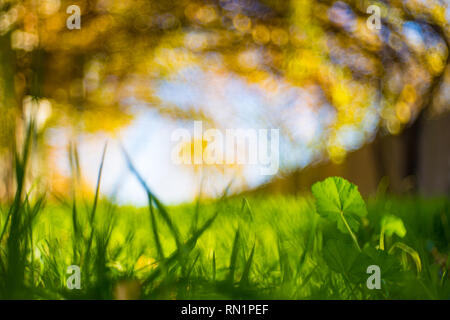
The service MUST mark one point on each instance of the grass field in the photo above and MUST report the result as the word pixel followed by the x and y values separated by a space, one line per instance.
pixel 261 247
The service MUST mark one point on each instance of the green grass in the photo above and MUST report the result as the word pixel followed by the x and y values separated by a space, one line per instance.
pixel 262 247
pixel 273 251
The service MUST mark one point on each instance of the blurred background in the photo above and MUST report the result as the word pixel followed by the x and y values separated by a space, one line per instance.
pixel 369 105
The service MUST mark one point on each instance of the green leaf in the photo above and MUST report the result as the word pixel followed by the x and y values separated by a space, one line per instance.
pixel 340 201
pixel 341 257
pixel 392 224
pixel 382 259
pixel 391 271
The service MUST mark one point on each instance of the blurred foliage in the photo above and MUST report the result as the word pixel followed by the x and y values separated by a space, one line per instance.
pixel 89 78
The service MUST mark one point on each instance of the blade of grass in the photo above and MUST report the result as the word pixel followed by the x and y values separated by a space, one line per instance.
pixel 187 247
pixel 214 266
pixel 233 258
pixel 99 178
pixel 246 205
pixel 246 273
pixel 94 209
pixel 151 197
pixel 155 233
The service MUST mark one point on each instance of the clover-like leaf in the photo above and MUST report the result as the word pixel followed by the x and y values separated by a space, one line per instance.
pixel 340 201
pixel 343 258
pixel 389 265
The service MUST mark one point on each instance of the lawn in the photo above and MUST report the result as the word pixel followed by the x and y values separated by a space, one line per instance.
pixel 260 247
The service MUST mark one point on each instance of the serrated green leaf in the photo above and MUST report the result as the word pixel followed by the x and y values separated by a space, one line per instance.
pixel 389 265
pixel 339 255
pixel 336 197
pixel 342 257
